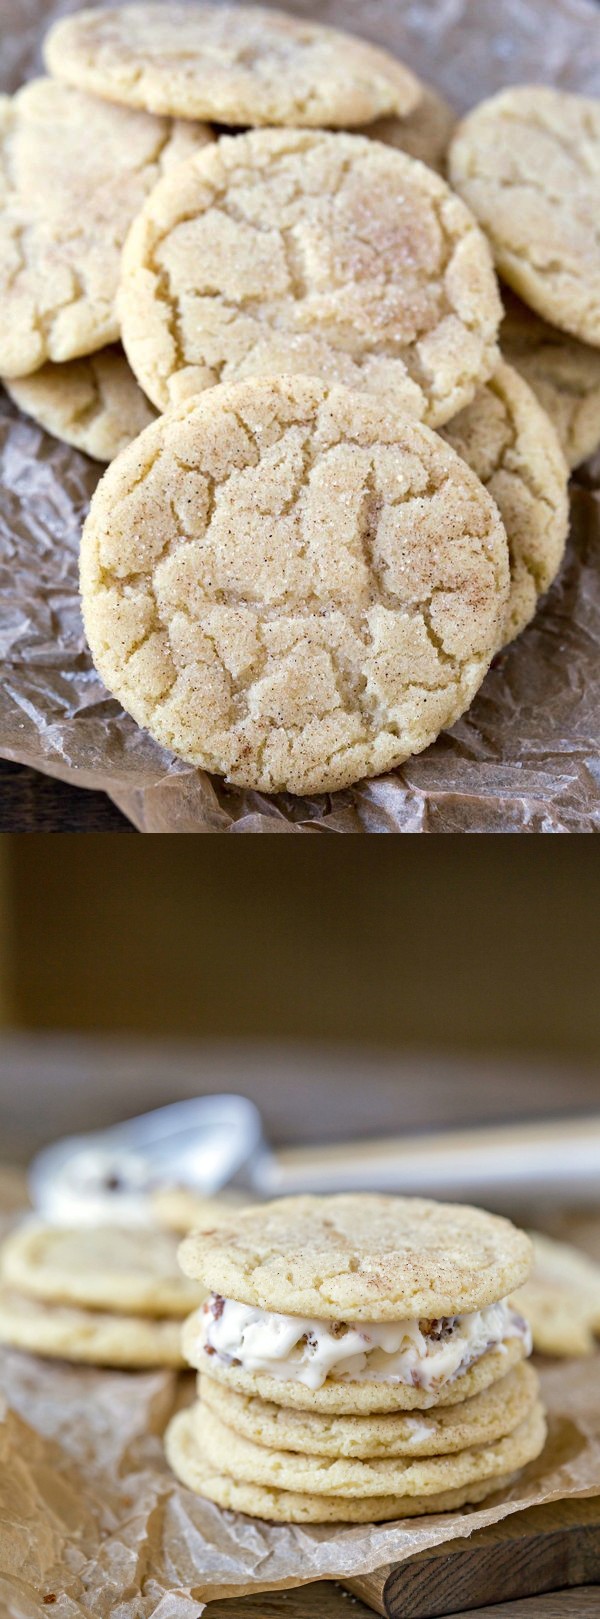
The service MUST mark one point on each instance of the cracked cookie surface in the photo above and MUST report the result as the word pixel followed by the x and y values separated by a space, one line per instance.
pixel 528 164
pixel 361 1256
pixel 230 64
pixel 299 251
pixel 564 375
pixel 425 133
pixel 288 587
pixel 74 172
pixel 444 1430
pixel 93 403
pixel 510 443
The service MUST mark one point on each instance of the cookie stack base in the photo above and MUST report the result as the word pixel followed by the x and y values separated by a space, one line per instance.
pixel 298 1468
pixel 190 1464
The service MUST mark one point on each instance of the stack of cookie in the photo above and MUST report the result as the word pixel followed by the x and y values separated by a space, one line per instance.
pixel 359 1360
pixel 105 1295
pixel 302 571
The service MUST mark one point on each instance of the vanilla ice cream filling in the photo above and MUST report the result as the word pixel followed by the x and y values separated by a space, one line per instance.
pixel 424 1353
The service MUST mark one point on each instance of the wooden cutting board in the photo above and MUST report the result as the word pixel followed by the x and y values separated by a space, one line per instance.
pixel 549 1548
pixel 327 1601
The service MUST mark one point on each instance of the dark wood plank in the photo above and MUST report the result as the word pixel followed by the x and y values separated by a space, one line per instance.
pixel 31 802
pixel 582 1604
pixel 529 1553
pixel 329 1601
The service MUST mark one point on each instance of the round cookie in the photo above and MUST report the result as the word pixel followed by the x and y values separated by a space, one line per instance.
pixel 509 442
pixel 74 172
pixel 133 1271
pixel 285 1506
pixel 425 133
pixel 89 1336
pixel 287 251
pixel 288 586
pixel 93 403
pixel 361 1256
pixel 338 1397
pixel 564 376
pixel 561 1299
pixel 245 65
pixel 249 1463
pixel 528 164
pixel 480 1421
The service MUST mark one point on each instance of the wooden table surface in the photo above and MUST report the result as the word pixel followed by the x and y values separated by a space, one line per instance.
pixel 30 802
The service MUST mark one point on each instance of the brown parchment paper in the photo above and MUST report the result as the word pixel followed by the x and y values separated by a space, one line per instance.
pixel 91 1516
pixel 526 758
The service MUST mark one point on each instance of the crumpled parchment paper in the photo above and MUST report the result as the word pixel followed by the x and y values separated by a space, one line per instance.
pixel 91 1516
pixel 526 757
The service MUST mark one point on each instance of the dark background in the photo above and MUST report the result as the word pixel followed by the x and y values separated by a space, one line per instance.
pixel 351 988
pixel 482 946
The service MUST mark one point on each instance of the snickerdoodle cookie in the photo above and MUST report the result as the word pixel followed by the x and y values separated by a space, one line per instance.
pixel 509 441
pixel 93 1337
pixel 561 1299
pixel 131 1271
pixel 564 375
pixel 230 64
pixel 291 587
pixel 74 172
pixel 528 164
pixel 93 403
pixel 288 251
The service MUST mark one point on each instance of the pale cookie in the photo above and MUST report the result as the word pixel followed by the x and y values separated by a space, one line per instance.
pixel 480 1421
pixel 133 1271
pixel 93 403
pixel 508 440
pixel 286 585
pixel 338 1397
pixel 561 1300
pixel 360 1256
pixel 308 251
pixel 192 1467
pixel 347 1476
pixel 564 375
pixel 528 164
pixel 74 172
pixel 245 65
pixel 88 1336
pixel 425 133
pixel 176 1208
